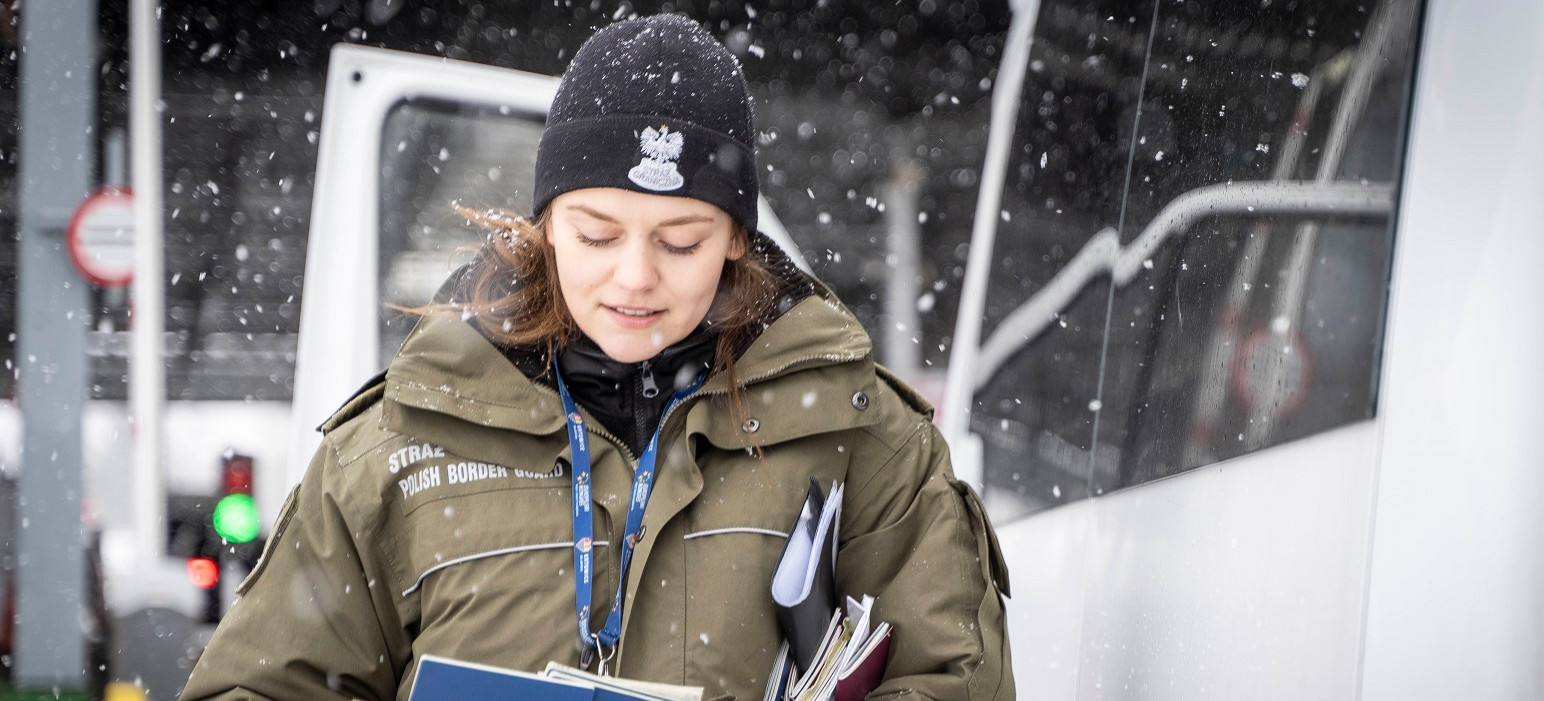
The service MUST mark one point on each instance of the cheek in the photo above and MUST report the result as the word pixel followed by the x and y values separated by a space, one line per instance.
pixel 573 275
pixel 702 283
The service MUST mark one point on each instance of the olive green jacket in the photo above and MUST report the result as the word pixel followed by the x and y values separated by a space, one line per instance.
pixel 436 519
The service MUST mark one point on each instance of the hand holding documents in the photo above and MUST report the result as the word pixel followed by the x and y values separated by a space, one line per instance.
pixel 442 679
pixel 828 653
pixel 849 665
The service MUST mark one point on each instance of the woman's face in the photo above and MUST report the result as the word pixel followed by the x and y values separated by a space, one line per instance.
pixel 638 272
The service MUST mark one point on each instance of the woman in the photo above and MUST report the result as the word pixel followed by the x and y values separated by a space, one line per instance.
pixel 620 402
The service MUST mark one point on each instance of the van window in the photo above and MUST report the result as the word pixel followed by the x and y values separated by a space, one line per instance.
pixel 1249 325
pixel 433 154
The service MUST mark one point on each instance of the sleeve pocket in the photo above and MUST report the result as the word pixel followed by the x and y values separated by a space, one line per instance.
pixel 285 512
pixel 986 538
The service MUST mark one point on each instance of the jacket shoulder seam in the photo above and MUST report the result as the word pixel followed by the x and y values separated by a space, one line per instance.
pixel 906 392
pixel 363 398
pixel 361 438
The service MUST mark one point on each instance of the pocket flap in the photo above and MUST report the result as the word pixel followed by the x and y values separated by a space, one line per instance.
pixel 986 537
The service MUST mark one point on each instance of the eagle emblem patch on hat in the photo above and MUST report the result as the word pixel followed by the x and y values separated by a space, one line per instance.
pixel 657 171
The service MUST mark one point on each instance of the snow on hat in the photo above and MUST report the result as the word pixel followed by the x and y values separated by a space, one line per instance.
pixel 654 105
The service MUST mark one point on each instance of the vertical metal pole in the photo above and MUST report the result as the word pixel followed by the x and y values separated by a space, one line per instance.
pixel 57 106
pixel 958 388
pixel 903 241
pixel 147 369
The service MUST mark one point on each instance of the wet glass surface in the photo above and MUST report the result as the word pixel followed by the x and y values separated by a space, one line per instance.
pixel 1252 322
pixel 434 154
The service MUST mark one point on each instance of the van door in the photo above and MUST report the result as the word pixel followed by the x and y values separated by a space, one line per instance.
pixel 403 136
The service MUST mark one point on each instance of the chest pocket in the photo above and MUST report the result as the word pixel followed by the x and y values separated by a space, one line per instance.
pixel 733 538
pixel 456 511
pixel 486 560
pixel 456 529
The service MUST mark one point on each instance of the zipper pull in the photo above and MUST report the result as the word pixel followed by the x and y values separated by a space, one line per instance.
pixel 650 390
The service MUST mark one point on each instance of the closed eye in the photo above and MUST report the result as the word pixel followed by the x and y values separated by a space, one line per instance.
pixel 681 250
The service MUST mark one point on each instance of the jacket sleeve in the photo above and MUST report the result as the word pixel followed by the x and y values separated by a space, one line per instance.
pixel 316 618
pixel 920 543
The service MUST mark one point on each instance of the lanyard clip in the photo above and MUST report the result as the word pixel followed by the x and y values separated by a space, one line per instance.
pixel 606 655
pixel 588 656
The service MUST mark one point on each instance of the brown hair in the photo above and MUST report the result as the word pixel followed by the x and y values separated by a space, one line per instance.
pixel 511 292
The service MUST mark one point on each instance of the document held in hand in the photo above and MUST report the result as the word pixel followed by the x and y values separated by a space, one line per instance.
pixel 850 663
pixel 444 679
pixel 827 653
pixel 804 583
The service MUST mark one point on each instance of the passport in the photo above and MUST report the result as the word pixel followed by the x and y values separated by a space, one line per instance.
pixel 445 679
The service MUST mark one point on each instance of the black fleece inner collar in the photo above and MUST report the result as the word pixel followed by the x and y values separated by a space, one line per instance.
pixel 629 398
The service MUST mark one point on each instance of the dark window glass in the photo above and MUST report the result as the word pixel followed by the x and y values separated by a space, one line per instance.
pixel 1237 165
pixel 9 114
pixel 434 154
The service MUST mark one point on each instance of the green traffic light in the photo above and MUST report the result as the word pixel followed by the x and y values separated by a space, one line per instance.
pixel 236 519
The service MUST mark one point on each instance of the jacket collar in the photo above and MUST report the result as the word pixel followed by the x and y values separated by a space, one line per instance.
pixel 628 398
pixel 447 367
pixel 819 337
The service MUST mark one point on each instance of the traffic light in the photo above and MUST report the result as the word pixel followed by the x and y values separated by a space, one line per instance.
pixel 190 535
pixel 217 534
pixel 204 572
pixel 235 515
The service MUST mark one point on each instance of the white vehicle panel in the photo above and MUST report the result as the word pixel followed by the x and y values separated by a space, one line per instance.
pixel 1240 580
pixel 1456 596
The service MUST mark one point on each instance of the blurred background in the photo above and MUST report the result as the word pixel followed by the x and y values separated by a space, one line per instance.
pixel 1194 207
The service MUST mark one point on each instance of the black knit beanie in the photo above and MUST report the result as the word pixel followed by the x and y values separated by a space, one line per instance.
pixel 654 105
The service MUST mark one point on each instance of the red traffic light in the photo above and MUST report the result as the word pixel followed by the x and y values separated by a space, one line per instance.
pixel 204 572
pixel 235 474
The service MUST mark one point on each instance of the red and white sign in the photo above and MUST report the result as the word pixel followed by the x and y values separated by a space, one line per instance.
pixel 101 237
pixel 1272 372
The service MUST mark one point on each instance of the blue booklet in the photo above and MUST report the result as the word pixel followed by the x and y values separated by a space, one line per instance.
pixel 443 679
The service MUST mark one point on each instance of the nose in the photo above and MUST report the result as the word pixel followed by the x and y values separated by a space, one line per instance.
pixel 636 267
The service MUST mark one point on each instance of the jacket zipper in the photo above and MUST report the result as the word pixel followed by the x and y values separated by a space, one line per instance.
pixel 593 427
pixel 648 390
pixel 646 372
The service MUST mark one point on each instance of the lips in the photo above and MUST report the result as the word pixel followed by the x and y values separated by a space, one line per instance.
pixel 633 317
pixel 634 312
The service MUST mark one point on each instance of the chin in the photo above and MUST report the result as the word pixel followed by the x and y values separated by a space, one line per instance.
pixel 629 356
pixel 630 351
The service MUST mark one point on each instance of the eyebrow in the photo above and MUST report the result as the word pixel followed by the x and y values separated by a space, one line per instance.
pixel 678 221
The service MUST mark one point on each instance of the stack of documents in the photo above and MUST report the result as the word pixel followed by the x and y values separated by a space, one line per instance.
pixel 849 664
pixel 827 652
pixel 443 679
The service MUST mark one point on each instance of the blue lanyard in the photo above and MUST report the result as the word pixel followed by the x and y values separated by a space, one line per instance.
pixel 584 520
